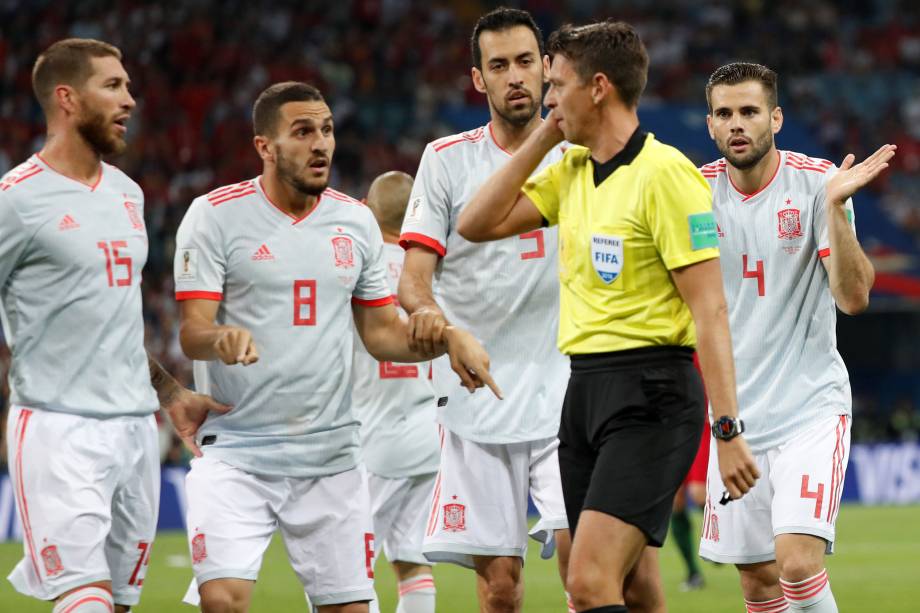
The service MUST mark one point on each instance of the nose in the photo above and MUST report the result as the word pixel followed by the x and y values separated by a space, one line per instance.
pixel 129 103
pixel 549 101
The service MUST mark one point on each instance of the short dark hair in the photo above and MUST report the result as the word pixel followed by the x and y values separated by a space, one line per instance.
pixel 499 20
pixel 265 111
pixel 741 72
pixel 67 61
pixel 609 47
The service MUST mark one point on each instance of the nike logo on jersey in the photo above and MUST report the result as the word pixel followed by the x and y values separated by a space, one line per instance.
pixel 263 253
pixel 67 223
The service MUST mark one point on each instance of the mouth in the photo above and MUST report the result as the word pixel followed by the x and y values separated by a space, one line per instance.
pixel 738 144
pixel 517 96
pixel 121 124
pixel 318 167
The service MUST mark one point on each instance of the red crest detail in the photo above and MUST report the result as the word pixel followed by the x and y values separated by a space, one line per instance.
pixel 454 517
pixel 52 560
pixel 714 528
pixel 790 226
pixel 344 256
pixel 136 222
pixel 199 550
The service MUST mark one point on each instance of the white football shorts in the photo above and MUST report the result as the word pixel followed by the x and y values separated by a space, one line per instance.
pixel 479 506
pixel 400 507
pixel 88 494
pixel 798 493
pixel 325 523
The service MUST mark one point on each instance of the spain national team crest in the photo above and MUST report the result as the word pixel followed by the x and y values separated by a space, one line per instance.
pixel 607 256
pixel 454 517
pixel 133 216
pixel 714 528
pixel 52 560
pixel 344 254
pixel 199 550
pixel 790 224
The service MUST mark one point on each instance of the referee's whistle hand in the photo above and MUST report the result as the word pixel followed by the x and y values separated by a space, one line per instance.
pixel 737 466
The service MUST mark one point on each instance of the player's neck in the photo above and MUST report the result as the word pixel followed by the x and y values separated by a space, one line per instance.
pixel 617 124
pixel 389 236
pixel 509 136
pixel 752 180
pixel 69 154
pixel 286 197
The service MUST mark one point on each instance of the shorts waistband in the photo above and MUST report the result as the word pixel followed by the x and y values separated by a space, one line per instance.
pixel 631 358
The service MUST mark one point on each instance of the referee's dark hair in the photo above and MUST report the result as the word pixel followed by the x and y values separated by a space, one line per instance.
pixel 741 72
pixel 609 47
pixel 266 110
pixel 499 20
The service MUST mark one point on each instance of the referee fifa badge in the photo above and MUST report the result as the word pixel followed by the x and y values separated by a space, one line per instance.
pixel 607 256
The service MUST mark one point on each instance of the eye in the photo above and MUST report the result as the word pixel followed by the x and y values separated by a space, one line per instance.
pixel 327 130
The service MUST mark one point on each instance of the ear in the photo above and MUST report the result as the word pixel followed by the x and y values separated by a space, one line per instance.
pixel 67 99
pixel 600 87
pixel 546 65
pixel 776 119
pixel 263 148
pixel 712 134
pixel 478 81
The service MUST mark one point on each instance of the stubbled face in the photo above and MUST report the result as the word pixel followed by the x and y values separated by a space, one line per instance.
pixel 104 106
pixel 512 73
pixel 303 146
pixel 570 100
pixel 742 124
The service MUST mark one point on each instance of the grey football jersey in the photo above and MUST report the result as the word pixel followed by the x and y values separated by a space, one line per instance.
pixel 781 311
pixel 291 283
pixel 71 257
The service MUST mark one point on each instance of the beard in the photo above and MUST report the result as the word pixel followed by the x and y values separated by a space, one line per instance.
pixel 519 117
pixel 759 148
pixel 289 173
pixel 96 130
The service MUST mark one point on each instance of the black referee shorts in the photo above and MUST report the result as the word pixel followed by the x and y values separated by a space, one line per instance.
pixel 630 429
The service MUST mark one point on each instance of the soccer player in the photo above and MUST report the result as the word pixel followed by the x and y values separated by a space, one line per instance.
pixel 83 450
pixel 638 267
pixel 493 453
pixel 270 273
pixel 789 254
pixel 395 404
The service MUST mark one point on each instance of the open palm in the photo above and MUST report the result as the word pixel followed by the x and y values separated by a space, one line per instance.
pixel 850 179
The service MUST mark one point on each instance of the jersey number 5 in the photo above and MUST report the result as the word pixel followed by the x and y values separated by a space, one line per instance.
pixel 305 302
pixel 112 259
pixel 757 273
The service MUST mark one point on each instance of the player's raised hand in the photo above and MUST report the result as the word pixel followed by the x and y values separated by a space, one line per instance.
pixel 850 179
pixel 737 466
pixel 187 411
pixel 469 360
pixel 549 132
pixel 235 346
pixel 426 331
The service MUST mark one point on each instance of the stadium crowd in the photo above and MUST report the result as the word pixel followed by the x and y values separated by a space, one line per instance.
pixel 392 67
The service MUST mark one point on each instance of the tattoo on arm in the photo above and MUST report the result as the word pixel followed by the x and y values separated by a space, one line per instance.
pixel 166 387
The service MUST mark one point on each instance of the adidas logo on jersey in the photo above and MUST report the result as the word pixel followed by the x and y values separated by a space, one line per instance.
pixel 262 253
pixel 68 223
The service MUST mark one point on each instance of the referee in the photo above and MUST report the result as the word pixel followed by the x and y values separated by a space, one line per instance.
pixel 638 267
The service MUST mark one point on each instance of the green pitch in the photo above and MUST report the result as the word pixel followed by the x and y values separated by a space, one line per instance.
pixel 877 568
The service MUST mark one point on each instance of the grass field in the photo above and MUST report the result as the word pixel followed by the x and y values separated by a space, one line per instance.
pixel 877 568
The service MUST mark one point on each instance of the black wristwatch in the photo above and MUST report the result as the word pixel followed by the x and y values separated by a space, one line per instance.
pixel 726 428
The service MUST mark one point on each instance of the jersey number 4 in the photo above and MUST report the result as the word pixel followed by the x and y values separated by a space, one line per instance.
pixel 539 250
pixel 113 259
pixel 757 273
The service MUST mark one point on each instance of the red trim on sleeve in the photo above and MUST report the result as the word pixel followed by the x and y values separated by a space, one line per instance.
pixel 372 303
pixel 823 253
pixel 421 239
pixel 199 296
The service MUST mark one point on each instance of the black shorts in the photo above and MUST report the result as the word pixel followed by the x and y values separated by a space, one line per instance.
pixel 630 429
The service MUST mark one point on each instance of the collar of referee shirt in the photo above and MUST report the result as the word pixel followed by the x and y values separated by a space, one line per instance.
pixel 623 158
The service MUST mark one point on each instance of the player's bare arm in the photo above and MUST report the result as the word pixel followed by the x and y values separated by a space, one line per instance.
pixel 185 409
pixel 202 339
pixel 427 321
pixel 700 285
pixel 849 270
pixel 386 337
pixel 499 209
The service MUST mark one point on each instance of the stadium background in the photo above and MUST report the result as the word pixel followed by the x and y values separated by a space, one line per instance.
pixel 396 74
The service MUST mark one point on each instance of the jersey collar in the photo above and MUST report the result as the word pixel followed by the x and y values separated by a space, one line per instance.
pixel 625 157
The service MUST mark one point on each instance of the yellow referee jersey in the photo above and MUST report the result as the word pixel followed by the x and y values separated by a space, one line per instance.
pixel 622 226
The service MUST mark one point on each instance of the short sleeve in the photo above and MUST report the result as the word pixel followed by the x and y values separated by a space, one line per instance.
pixel 372 288
pixel 679 215
pixel 13 237
pixel 820 215
pixel 427 219
pixel 543 190
pixel 200 264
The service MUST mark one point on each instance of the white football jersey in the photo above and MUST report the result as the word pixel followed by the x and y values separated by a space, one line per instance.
pixel 71 256
pixel 395 404
pixel 506 293
pixel 781 312
pixel 291 283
